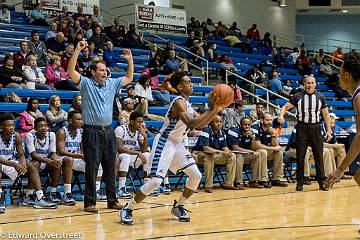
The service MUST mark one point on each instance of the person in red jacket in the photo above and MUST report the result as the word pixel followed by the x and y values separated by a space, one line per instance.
pixel 253 33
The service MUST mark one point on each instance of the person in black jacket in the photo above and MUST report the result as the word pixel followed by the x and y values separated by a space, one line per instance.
pixel 11 77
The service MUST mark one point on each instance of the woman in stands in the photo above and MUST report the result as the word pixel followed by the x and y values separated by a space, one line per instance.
pixel 54 72
pixel 143 89
pixel 55 115
pixel 76 103
pixel 10 77
pixel 35 78
pixel 28 117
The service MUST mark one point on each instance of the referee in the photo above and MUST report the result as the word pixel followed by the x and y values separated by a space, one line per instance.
pixel 309 104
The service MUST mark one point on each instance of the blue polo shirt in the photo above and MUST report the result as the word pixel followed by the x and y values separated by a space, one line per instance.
pixel 209 138
pixel 97 101
pixel 237 137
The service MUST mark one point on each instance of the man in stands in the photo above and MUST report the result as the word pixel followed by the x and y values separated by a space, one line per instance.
pixel 56 45
pixel 253 33
pixel 38 48
pixel 20 56
pixel 111 57
pixel 256 113
pixel 269 149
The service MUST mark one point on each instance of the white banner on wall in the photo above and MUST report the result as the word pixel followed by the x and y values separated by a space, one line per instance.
pixel 72 5
pixel 160 19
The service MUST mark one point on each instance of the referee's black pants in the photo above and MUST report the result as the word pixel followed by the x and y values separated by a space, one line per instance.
pixel 309 134
pixel 99 146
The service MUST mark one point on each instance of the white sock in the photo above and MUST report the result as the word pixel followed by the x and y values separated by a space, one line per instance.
pixel 146 180
pixel 131 204
pixel 181 201
pixel 98 185
pixel 53 189
pixel 67 187
pixel 122 181
pixel 0 190
pixel 166 180
pixel 39 194
pixel 29 192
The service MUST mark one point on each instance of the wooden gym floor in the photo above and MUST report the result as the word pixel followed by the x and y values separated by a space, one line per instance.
pixel 276 213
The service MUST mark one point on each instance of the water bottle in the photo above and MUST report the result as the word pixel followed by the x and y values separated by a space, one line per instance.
pixel 7 198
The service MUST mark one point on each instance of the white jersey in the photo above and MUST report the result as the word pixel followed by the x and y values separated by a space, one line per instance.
pixel 8 150
pixel 73 145
pixel 130 140
pixel 43 147
pixel 175 129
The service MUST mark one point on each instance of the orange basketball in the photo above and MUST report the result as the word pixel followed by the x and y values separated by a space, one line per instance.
pixel 225 94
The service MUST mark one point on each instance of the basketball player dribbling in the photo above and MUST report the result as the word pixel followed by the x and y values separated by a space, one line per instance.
pixel 350 81
pixel 169 152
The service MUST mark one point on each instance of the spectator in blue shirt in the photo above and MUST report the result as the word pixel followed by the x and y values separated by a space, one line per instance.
pixel 111 57
pixel 172 64
pixel 210 149
pixel 275 83
pixel 37 16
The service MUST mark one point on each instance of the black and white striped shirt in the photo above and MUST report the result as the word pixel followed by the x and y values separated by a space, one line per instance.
pixel 308 106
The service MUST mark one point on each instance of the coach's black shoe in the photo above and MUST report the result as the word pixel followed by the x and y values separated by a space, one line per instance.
pixel 180 212
pixel 307 181
pixel 125 215
pixel 299 188
pixel 279 183
pixel 265 184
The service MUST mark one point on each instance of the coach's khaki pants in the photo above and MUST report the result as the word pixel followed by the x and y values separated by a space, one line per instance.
pixel 338 154
pixel 254 159
pixel 277 158
pixel 210 159
pixel 291 153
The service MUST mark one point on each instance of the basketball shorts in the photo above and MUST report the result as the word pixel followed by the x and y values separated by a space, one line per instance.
pixel 10 171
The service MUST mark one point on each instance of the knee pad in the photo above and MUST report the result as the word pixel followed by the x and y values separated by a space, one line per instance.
pixel 194 177
pixel 124 162
pixel 151 185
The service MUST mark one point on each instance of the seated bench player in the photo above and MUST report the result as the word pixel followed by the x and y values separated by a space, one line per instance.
pixel 131 141
pixel 13 162
pixel 41 147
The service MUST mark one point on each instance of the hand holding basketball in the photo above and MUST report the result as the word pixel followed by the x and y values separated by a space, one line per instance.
pixel 222 96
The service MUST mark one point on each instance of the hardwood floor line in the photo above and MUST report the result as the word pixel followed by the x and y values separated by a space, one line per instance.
pixel 159 205
pixel 253 229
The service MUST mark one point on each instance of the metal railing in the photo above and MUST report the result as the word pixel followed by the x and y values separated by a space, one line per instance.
pixel 187 51
pixel 268 92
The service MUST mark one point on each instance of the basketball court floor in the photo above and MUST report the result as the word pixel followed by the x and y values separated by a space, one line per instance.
pixel 276 213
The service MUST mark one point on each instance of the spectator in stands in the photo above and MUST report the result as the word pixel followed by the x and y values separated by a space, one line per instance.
pixel 266 44
pixel 211 53
pixel 221 30
pixel 11 77
pixel 256 113
pixel 337 57
pixel 20 56
pixel 54 73
pixel 237 91
pixel 5 14
pixel 172 64
pixel 235 42
pixel 303 64
pixel 233 115
pixel 98 37
pixel 116 32
pixel 275 83
pixel 191 25
pixel 267 145
pixel 210 25
pixel 96 17
pixel 80 16
pixel 124 115
pixel 85 59
pixel 143 89
pixel 111 57
pixel 64 15
pixel 132 39
pixel 37 17
pixel 64 28
pixel 226 64
pixel 319 57
pixel 280 58
pixel 302 47
pixel 210 149
pixel 205 29
pixel 34 76
pixel 38 48
pixel 294 55
pixel 160 95
pixel 92 51
pixel 56 116
pixel 241 140
pixel 52 33
pixel 253 33
pixel 27 118
pixel 236 30
pixel 74 31
pixel 256 76
pixel 76 103
pixel 287 88
pixel 65 57
pixel 325 68
pixel 56 46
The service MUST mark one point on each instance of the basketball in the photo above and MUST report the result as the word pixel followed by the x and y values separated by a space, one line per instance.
pixel 225 94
